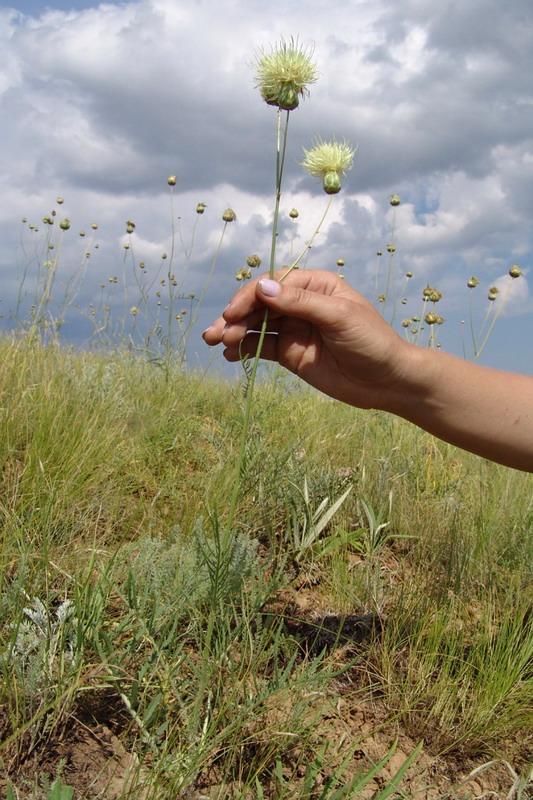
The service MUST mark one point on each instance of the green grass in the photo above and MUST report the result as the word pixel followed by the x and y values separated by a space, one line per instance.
pixel 116 479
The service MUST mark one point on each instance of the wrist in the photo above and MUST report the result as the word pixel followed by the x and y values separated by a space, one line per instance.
pixel 413 393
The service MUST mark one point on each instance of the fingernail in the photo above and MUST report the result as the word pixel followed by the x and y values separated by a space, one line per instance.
pixel 269 287
pixel 227 307
pixel 206 330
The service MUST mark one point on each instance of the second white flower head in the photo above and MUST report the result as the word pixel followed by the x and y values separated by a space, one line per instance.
pixel 329 161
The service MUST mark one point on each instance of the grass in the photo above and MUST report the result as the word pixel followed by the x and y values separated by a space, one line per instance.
pixel 129 609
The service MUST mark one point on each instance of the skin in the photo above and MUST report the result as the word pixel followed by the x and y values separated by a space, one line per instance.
pixel 334 339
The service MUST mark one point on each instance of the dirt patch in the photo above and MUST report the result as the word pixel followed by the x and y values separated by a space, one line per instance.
pixel 100 765
pixel 96 751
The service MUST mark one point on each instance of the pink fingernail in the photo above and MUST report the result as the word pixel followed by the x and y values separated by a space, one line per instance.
pixel 269 287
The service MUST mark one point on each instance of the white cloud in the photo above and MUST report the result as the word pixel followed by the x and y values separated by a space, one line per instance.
pixel 102 104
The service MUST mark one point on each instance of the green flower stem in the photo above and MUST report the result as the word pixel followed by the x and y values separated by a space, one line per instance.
pixel 471 320
pixel 205 287
pixel 494 318
pixel 309 243
pixel 47 290
pixel 281 148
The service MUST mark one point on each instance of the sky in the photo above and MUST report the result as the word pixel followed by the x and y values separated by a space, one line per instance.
pixel 100 103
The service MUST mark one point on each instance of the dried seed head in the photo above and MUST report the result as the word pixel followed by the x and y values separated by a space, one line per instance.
pixel 243 274
pixel 253 261
pixel 431 294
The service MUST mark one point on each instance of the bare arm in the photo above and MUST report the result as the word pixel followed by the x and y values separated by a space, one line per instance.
pixel 328 334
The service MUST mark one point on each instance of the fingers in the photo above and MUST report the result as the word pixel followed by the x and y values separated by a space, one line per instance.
pixel 313 296
pixel 247 348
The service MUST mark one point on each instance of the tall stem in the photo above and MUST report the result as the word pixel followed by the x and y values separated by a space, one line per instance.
pixel 281 148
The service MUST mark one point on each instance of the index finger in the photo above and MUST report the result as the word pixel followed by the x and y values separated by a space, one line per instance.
pixel 247 300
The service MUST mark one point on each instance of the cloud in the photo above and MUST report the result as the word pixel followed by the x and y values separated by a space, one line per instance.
pixel 103 103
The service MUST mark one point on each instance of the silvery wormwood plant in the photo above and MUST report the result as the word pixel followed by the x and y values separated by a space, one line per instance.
pixel 44 642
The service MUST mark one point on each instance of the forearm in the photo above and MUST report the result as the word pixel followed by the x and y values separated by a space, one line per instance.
pixel 485 411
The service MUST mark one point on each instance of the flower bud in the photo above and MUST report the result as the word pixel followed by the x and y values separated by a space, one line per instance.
pixel 59 201
pixel 130 226
pixel 229 215
pixel 332 182
pixel 287 98
pixel 64 224
pixel 340 262
pixel 253 261
pixel 431 318
pixel 395 200
pixel 409 274
pixel 171 180
pixel 406 323
pixel 200 208
pixel 293 213
pixel 391 248
pixel 473 282
pixel 515 271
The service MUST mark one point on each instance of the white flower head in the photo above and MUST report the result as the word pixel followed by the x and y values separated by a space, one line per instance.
pixel 329 161
pixel 284 73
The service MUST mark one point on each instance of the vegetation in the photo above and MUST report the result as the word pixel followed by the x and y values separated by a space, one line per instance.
pixel 196 655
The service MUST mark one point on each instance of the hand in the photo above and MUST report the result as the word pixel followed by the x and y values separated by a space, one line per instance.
pixel 321 330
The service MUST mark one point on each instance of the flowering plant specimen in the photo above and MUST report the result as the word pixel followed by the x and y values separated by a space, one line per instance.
pixel 283 74
pixel 329 161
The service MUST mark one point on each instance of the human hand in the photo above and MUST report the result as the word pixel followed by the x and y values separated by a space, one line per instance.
pixel 321 330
